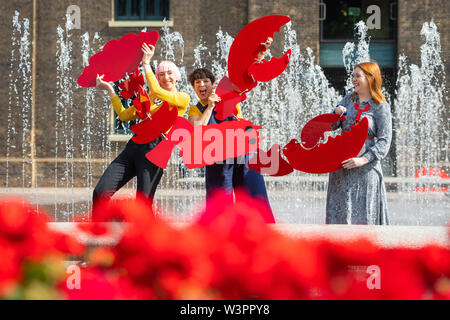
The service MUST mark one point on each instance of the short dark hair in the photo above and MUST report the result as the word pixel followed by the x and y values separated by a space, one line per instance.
pixel 201 73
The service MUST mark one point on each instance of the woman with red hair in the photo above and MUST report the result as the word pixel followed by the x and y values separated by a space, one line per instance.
pixel 356 192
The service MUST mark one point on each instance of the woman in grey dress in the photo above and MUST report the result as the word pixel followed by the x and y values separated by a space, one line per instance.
pixel 356 192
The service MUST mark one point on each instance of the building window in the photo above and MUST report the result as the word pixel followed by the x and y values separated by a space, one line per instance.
pixel 131 10
pixel 337 26
pixel 338 19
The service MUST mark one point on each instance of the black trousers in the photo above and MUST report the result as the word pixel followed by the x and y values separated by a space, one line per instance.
pixel 130 163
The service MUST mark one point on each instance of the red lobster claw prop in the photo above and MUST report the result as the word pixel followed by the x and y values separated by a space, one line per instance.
pixel 268 70
pixel 327 157
pixel 230 98
pixel 152 128
pixel 114 61
pixel 264 162
pixel 242 69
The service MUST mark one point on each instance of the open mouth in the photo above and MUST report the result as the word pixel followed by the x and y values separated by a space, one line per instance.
pixel 202 92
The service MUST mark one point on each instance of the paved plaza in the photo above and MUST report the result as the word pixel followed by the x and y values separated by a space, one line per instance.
pixel 415 219
pixel 293 207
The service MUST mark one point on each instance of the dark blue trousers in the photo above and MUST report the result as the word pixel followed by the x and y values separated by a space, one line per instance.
pixel 235 175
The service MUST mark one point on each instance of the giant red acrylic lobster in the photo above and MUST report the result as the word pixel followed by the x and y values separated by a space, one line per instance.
pixel 204 145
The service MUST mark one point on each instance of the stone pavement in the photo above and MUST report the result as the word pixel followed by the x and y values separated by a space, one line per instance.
pixel 385 236
pixel 289 207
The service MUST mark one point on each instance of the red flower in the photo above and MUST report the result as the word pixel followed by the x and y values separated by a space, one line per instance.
pixel 137 210
pixel 252 260
pixel 101 257
pixel 94 228
pixel 231 252
pixel 15 218
pixel 10 268
pixel 155 255
pixel 97 285
pixel 68 245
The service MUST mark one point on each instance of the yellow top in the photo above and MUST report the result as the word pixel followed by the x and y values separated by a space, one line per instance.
pixel 194 111
pixel 179 99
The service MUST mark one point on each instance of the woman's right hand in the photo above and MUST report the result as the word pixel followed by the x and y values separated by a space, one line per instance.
pixel 340 110
pixel 100 83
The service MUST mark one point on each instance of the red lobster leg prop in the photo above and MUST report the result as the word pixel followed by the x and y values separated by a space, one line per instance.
pixel 142 103
pixel 245 49
pixel 264 163
pixel 328 157
pixel 217 142
pixel 151 128
pixel 160 155
pixel 230 98
pixel 117 58
pixel 132 85
pixel 197 149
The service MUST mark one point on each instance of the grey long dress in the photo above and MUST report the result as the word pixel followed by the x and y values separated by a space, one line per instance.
pixel 358 196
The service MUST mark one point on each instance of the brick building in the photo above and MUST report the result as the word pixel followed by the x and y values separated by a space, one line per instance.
pixel 40 159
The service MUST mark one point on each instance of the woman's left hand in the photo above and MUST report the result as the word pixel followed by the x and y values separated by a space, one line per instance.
pixel 148 51
pixel 354 162
pixel 268 42
pixel 261 54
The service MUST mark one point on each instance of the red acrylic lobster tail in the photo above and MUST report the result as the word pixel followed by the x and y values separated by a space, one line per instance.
pixel 314 129
pixel 328 157
pixel 151 128
pixel 262 162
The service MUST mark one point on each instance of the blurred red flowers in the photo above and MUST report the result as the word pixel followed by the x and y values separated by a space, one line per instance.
pixel 230 252
pixel 30 252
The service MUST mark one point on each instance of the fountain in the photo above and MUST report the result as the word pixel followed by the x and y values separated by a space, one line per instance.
pixel 282 106
pixel 18 148
pixel 421 121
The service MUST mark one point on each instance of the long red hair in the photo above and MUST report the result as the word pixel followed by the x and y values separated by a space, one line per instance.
pixel 373 75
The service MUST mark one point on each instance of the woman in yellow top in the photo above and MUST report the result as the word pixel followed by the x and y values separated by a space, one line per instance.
pixel 132 162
